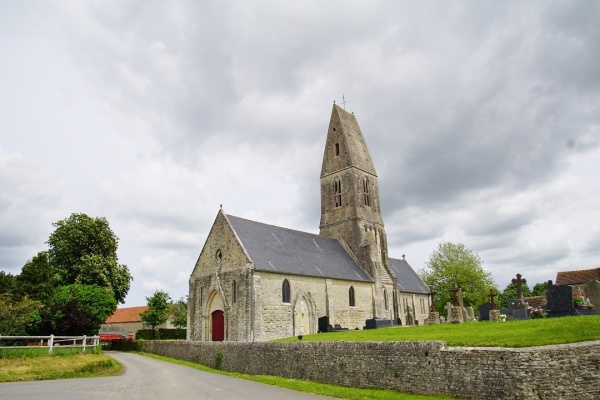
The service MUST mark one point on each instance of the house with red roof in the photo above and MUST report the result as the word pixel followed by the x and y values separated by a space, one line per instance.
pixel 125 323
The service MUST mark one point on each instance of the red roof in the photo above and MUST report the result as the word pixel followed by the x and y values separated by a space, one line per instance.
pixel 575 277
pixel 127 314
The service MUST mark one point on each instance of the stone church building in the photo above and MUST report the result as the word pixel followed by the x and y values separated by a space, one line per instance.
pixel 257 282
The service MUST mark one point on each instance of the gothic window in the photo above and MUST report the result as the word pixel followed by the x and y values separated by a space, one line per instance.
pixel 351 297
pixel 385 299
pixel 234 289
pixel 366 192
pixel 285 291
pixel 337 149
pixel 337 188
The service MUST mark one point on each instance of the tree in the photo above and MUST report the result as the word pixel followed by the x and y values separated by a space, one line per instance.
pixel 452 264
pixel 539 289
pixel 7 283
pixel 38 278
pixel 78 309
pixel 18 317
pixel 179 314
pixel 158 308
pixel 84 250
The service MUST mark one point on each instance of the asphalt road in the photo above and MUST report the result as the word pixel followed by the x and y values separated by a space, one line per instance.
pixel 147 378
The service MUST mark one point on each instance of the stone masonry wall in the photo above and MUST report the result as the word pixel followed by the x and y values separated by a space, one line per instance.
pixel 550 372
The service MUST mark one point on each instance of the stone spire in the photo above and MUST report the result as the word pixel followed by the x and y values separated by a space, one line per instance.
pixel 350 193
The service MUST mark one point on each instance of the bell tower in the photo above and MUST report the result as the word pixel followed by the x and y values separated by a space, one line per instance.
pixel 350 210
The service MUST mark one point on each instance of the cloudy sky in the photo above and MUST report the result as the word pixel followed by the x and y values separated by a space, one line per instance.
pixel 483 120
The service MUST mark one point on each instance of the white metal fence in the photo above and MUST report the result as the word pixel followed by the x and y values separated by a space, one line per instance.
pixel 50 342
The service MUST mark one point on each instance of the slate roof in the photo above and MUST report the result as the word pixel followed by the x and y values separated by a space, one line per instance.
pixel 575 277
pixel 126 314
pixel 408 280
pixel 288 251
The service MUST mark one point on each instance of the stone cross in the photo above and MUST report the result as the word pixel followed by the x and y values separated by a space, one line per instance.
pixel 491 296
pixel 454 290
pixel 519 281
pixel 448 307
pixel 431 294
pixel 460 295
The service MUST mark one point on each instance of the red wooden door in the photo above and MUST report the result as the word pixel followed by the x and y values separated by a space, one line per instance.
pixel 218 326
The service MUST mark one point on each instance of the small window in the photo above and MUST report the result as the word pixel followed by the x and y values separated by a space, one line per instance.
pixel 285 291
pixel 200 300
pixel 366 192
pixel 352 301
pixel 337 149
pixel 234 290
pixel 219 255
pixel 337 188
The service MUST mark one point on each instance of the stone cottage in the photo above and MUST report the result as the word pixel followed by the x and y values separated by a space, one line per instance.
pixel 257 282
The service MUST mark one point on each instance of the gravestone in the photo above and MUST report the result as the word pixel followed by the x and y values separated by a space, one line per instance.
pixel 505 311
pixel 559 301
pixel 470 313
pixel 520 313
pixel 448 307
pixel 456 315
pixel 484 311
pixel 519 302
pixel 323 324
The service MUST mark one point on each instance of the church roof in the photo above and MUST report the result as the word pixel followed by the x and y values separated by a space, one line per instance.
pixel 575 277
pixel 288 251
pixel 408 280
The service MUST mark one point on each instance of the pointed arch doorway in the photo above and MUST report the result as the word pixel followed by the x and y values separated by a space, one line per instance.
pixel 216 318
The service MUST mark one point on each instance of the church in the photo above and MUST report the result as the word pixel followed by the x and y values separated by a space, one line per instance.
pixel 256 282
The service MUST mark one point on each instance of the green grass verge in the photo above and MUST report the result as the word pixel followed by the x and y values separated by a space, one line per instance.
pixel 57 367
pixel 322 389
pixel 41 352
pixel 527 333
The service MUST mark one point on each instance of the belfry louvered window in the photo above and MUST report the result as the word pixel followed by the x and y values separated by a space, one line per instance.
pixel 366 192
pixel 337 188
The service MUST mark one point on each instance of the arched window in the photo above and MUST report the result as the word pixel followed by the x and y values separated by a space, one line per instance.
pixel 285 291
pixel 351 301
pixel 366 192
pixel 385 299
pixel 234 290
pixel 337 188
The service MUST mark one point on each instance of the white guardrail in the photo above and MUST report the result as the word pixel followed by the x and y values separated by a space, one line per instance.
pixel 49 342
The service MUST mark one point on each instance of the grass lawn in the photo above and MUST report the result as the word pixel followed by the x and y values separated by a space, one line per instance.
pixel 533 332
pixel 35 366
pixel 322 389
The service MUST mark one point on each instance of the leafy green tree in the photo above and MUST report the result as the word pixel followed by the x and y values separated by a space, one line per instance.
pixel 510 293
pixel 7 283
pixel 18 316
pixel 179 314
pixel 158 309
pixel 84 250
pixel 78 309
pixel 452 264
pixel 38 278
pixel 539 289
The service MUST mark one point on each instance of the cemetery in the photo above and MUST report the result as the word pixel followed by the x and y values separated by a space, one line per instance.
pixel 516 352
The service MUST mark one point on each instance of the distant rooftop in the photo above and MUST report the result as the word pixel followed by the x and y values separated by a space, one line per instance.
pixel 577 277
pixel 126 314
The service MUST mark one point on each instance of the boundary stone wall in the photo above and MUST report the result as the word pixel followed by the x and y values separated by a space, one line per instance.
pixel 564 371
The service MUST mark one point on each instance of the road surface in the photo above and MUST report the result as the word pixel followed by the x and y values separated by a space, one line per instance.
pixel 146 378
